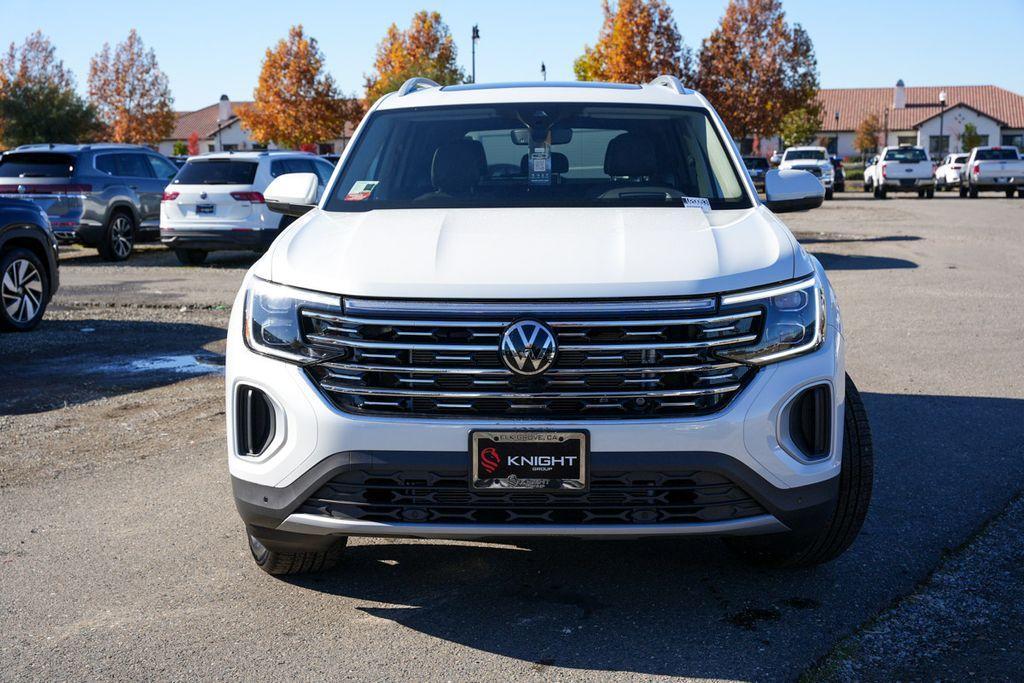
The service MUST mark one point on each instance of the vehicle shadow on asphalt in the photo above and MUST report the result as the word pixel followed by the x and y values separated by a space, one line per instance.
pixel 861 262
pixel 157 257
pixel 69 362
pixel 944 464
pixel 838 238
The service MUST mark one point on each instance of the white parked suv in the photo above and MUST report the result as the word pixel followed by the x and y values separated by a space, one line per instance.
pixel 813 160
pixel 552 310
pixel 216 201
pixel 947 176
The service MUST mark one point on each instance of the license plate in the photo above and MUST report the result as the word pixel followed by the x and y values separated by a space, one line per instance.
pixel 531 460
pixel 204 209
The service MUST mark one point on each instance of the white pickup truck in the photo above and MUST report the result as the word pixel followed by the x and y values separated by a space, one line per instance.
pixel 992 168
pixel 900 169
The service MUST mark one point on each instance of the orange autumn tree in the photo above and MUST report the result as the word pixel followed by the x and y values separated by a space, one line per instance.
pixel 130 92
pixel 296 102
pixel 425 49
pixel 756 68
pixel 638 42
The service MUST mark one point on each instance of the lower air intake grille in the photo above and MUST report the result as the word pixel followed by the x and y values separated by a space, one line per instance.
pixel 613 498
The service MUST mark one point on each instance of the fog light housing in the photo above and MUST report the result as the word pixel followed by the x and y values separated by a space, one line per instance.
pixel 254 421
pixel 809 422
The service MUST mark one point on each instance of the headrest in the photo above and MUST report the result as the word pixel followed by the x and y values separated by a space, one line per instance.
pixel 456 165
pixel 559 163
pixel 630 154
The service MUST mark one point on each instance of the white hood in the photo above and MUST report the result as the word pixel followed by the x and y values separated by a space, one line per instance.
pixel 535 253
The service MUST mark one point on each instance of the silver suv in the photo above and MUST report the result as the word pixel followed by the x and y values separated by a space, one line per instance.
pixel 105 196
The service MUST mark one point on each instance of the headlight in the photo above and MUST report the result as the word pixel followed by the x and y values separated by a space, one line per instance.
pixel 794 321
pixel 272 320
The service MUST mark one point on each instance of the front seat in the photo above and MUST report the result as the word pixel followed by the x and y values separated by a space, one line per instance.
pixel 455 170
pixel 632 155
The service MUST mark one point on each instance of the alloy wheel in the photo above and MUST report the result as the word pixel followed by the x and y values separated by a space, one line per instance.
pixel 121 238
pixel 22 290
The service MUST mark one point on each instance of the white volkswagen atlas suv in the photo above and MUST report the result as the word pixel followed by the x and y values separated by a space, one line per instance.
pixel 542 309
pixel 215 202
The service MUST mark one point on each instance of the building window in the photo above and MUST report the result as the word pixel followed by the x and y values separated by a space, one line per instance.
pixel 258 147
pixel 1014 140
pixel 230 147
pixel 832 145
pixel 906 139
pixel 210 148
pixel 938 145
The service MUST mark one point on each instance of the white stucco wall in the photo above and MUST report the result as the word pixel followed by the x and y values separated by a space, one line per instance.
pixel 953 122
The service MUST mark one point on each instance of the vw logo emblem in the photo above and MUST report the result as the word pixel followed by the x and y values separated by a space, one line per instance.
pixel 202 195
pixel 22 189
pixel 528 347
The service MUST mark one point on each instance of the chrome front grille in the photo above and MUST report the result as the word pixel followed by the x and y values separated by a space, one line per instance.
pixel 630 360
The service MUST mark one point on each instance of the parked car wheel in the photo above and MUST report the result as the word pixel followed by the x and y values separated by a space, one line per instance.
pixel 191 257
pixel 1020 193
pixel 829 193
pixel 23 290
pixel 855 483
pixel 280 563
pixel 879 193
pixel 972 192
pixel 119 238
pixel 867 186
pixel 930 194
pixel 1009 194
pixel 963 191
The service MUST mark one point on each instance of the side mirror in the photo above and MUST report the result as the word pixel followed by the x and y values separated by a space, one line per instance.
pixel 292 194
pixel 792 190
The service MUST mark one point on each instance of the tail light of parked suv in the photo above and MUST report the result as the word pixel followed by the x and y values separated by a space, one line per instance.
pixel 795 321
pixel 170 196
pixel 254 197
pixel 885 173
pixel 977 169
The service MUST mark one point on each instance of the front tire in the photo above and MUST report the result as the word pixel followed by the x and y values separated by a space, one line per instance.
pixel 829 194
pixel 24 290
pixel 295 560
pixel 855 481
pixel 1009 194
pixel 190 257
pixel 119 238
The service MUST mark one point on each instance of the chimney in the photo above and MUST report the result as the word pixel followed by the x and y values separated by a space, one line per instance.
pixel 224 109
pixel 899 95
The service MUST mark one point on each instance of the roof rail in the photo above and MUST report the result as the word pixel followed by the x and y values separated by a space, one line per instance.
pixel 672 83
pixel 414 84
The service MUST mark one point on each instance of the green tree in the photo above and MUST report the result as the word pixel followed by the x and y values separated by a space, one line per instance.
pixel 38 102
pixel 38 112
pixel 180 148
pixel 969 138
pixel 425 49
pixel 799 126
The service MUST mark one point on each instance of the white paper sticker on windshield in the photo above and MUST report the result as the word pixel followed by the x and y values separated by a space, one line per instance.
pixel 697 203
pixel 361 190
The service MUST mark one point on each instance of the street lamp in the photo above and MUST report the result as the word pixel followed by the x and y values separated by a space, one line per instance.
pixel 476 37
pixel 942 111
pixel 837 133
pixel 543 72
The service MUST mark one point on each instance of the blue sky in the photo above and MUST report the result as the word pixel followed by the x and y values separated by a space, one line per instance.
pixel 211 48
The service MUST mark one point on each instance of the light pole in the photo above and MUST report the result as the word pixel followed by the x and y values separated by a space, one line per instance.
pixel 543 72
pixel 837 133
pixel 942 112
pixel 476 37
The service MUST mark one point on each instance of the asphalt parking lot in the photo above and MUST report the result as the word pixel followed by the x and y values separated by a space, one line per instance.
pixel 122 556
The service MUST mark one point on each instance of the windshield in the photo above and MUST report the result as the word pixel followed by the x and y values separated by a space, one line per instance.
pixel 996 154
pixel 755 163
pixel 797 154
pixel 36 165
pixel 537 154
pixel 906 155
pixel 216 172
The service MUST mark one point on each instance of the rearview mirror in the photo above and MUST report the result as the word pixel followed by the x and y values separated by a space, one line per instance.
pixel 792 190
pixel 560 135
pixel 292 194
